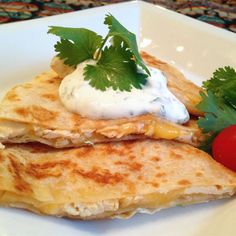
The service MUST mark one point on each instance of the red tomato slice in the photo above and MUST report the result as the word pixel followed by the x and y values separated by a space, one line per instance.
pixel 224 147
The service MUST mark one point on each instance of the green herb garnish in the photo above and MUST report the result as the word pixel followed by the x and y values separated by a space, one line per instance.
pixel 122 72
pixel 76 45
pixel 119 32
pixel 223 84
pixel 117 57
pixel 218 103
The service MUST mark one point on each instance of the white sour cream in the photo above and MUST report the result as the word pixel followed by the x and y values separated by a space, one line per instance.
pixel 79 97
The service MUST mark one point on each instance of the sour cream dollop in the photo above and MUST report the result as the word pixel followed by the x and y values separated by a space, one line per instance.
pixel 154 98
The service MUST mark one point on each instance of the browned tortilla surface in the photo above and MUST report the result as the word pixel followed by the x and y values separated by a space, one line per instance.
pixel 110 180
pixel 33 112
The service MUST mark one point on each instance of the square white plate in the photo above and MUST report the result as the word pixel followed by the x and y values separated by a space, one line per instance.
pixel 194 47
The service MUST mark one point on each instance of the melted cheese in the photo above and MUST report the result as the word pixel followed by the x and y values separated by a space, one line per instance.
pixel 118 208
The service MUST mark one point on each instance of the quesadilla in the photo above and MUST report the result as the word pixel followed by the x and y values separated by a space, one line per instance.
pixel 33 112
pixel 113 180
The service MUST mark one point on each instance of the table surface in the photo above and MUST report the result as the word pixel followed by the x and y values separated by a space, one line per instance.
pixel 221 13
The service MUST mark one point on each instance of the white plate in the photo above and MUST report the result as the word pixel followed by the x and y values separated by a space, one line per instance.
pixel 194 47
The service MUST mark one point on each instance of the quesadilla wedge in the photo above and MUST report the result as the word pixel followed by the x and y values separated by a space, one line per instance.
pixel 113 180
pixel 32 112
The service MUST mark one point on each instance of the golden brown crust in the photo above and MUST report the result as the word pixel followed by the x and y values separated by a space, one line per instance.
pixel 110 179
pixel 33 112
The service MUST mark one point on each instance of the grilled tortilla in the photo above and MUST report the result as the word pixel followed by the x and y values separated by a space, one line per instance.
pixel 33 112
pixel 113 180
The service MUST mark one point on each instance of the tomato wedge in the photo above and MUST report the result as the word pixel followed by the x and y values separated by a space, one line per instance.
pixel 224 147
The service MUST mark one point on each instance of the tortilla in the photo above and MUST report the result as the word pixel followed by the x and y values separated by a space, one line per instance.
pixel 186 91
pixel 113 180
pixel 32 112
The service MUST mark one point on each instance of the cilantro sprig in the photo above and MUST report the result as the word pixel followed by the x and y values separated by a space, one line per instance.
pixel 218 104
pixel 117 56
pixel 76 44
pixel 223 84
pixel 123 35
pixel 122 71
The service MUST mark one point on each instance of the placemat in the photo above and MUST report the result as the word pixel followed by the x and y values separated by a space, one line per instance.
pixel 217 12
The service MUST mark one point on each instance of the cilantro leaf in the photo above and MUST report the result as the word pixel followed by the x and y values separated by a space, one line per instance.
pixel 218 115
pixel 117 64
pixel 115 69
pixel 68 52
pixel 223 84
pixel 119 31
pixel 117 41
pixel 76 45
